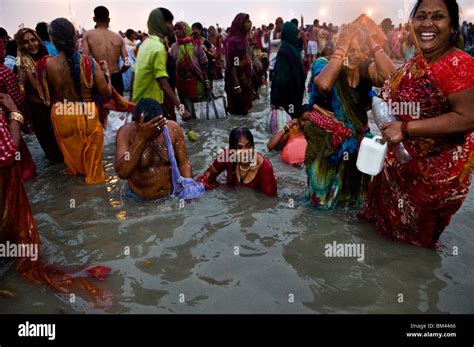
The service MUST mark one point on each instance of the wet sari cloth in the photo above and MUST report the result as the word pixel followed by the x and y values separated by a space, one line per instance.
pixel 331 153
pixel 189 59
pixel 414 203
pixel 289 76
pixel 79 132
pixel 17 226
pixel 237 55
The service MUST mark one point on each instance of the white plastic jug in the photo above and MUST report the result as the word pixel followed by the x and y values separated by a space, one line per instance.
pixel 371 155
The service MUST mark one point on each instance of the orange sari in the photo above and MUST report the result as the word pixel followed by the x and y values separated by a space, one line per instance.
pixel 80 136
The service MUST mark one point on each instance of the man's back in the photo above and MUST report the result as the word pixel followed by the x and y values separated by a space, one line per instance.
pixel 104 44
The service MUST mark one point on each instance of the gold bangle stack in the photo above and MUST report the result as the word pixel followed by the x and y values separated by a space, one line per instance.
pixel 17 116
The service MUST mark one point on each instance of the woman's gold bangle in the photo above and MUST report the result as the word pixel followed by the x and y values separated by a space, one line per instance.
pixel 17 116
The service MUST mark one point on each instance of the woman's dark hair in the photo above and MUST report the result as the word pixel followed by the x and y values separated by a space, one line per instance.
pixel 197 26
pixel 167 15
pixel 129 33
pixel 453 10
pixel 42 31
pixel 63 35
pixel 236 134
pixel 11 48
pixel 150 108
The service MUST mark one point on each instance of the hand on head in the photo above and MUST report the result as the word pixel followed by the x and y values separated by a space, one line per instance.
pixel 152 128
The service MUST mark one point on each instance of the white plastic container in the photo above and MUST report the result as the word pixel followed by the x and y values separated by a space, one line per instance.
pixel 371 156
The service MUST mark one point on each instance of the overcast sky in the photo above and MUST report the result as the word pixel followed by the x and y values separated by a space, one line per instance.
pixel 134 13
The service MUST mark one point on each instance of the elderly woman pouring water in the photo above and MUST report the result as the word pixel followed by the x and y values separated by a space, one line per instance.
pixel 414 202
pixel 339 95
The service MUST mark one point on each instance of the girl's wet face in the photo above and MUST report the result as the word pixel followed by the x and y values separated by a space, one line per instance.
pixel 31 43
pixel 245 151
pixel 244 144
pixel 432 26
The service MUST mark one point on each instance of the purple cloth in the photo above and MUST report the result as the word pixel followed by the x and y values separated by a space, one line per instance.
pixel 183 188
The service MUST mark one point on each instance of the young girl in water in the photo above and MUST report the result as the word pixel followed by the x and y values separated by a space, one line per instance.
pixel 290 139
pixel 244 166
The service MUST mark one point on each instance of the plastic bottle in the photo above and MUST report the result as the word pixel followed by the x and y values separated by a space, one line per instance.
pixel 382 115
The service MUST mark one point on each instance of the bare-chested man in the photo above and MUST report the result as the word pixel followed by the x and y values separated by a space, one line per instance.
pixel 142 157
pixel 313 35
pixel 104 44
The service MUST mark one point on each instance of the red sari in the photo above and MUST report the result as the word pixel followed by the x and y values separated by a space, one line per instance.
pixel 9 85
pixel 17 225
pixel 414 203
pixel 264 181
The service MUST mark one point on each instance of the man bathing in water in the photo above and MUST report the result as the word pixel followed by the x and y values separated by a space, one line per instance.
pixel 142 157
pixel 104 44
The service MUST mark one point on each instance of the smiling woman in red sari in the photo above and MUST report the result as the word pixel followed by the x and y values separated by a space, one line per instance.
pixel 414 203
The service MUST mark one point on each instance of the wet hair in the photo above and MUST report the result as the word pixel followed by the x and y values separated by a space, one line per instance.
pixel 63 35
pixel 197 26
pixel 101 14
pixel 151 109
pixel 129 33
pixel 167 15
pixel 11 48
pixel 453 10
pixel 236 134
pixel 42 31
pixel 294 21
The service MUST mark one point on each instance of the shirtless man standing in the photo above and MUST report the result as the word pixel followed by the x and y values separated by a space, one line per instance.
pixel 142 157
pixel 313 36
pixel 104 44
